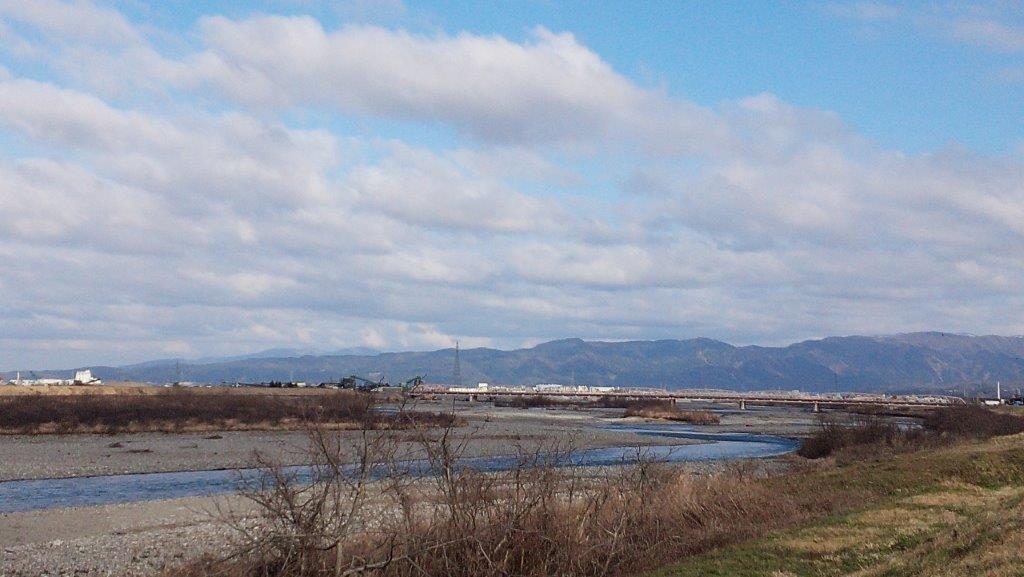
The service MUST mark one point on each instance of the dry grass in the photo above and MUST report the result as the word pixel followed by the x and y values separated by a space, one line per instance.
pixel 538 520
pixel 134 388
pixel 105 389
pixel 535 520
pixel 974 422
pixel 190 410
pixel 537 401
pixel 948 511
pixel 667 411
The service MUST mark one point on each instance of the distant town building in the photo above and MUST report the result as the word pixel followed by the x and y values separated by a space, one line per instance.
pixel 548 388
pixel 85 378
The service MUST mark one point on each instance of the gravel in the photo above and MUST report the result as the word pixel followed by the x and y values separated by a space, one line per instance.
pixel 493 431
pixel 115 540
pixel 144 538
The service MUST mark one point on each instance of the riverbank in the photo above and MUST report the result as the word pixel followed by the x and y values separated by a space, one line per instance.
pixel 886 513
pixel 494 430
pixel 191 410
pixel 943 512
pixel 638 519
pixel 130 539
pixel 489 431
pixel 139 538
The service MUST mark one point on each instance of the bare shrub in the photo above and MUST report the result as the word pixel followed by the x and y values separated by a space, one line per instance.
pixel 615 402
pixel 833 435
pixel 871 432
pixel 388 516
pixel 973 422
pixel 534 401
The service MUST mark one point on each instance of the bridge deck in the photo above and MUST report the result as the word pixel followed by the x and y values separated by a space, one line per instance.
pixel 710 397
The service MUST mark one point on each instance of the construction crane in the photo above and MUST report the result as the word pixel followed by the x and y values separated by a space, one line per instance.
pixel 355 382
pixel 360 384
pixel 412 383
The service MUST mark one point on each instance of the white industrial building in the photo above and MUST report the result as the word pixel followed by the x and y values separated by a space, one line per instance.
pixel 85 378
pixel 81 378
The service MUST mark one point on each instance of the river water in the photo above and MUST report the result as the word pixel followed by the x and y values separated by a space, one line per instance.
pixel 32 495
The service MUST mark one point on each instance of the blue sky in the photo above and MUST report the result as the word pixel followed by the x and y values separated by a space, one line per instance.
pixel 906 86
pixel 194 179
pixel 898 78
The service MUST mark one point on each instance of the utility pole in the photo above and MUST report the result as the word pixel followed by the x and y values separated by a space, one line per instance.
pixel 457 368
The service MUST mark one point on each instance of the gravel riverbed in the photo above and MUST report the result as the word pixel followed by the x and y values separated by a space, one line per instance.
pixel 491 432
pixel 143 538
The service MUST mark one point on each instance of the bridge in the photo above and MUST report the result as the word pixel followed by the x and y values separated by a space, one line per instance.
pixel 817 401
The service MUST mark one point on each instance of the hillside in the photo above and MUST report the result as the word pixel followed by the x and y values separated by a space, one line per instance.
pixel 917 361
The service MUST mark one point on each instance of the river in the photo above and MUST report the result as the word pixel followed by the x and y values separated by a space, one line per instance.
pixel 16 496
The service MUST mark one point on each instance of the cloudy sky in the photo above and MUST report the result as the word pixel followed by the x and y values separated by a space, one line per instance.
pixel 188 179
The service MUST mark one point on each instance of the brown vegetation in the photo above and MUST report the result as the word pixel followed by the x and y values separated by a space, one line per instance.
pixel 955 524
pixel 540 520
pixel 974 422
pixel 537 401
pixel 534 520
pixel 667 411
pixel 940 426
pixel 177 410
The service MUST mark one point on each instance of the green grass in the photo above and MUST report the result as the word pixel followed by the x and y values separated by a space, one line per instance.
pixel 949 512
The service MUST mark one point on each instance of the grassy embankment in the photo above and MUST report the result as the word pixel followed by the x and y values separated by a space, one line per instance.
pixel 192 410
pixel 914 507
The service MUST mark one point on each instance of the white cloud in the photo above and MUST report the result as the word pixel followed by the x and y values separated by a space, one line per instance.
pixel 244 218
pixel 75 20
pixel 46 202
pixel 991 24
pixel 550 88
pixel 990 34
pixel 416 186
pixel 200 161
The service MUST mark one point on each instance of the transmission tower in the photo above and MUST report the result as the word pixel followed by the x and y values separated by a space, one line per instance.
pixel 457 368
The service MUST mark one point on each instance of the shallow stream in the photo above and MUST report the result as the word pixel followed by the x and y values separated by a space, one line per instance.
pixel 110 489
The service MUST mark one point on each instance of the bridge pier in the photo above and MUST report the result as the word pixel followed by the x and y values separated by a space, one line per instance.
pixel 472 398
pixel 816 408
pixel 743 404
pixel 673 401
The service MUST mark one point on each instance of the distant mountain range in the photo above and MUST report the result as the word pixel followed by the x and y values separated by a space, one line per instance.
pixel 930 361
